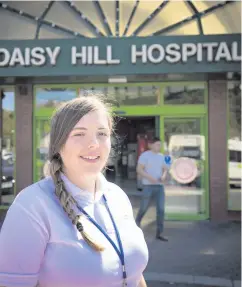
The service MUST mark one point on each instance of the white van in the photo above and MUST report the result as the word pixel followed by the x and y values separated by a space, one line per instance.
pixel 235 176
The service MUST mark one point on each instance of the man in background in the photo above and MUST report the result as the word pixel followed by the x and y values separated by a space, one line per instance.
pixel 152 169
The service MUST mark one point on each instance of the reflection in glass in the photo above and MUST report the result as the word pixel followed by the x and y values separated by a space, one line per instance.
pixel 234 146
pixel 42 144
pixel 47 98
pixel 184 187
pixel 192 94
pixel 8 148
pixel 52 97
pixel 125 95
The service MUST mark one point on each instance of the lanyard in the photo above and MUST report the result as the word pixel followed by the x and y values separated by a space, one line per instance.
pixel 119 251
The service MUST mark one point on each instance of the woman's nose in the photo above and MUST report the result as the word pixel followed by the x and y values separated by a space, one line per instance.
pixel 93 143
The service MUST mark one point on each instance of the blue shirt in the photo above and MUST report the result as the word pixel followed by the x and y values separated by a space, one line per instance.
pixel 153 164
pixel 39 244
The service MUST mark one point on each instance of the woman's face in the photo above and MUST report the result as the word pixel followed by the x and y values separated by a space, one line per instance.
pixel 88 145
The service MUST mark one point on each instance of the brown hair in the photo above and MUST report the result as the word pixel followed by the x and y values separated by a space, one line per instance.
pixel 154 140
pixel 62 123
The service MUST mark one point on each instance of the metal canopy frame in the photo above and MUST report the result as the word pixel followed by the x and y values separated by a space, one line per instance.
pixel 40 21
pixel 131 17
pixel 150 18
pixel 117 14
pixel 83 18
pixel 50 4
pixel 102 17
pixel 196 13
pixel 195 16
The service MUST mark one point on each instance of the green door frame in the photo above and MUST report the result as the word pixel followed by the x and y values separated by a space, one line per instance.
pixel 203 131
pixel 160 110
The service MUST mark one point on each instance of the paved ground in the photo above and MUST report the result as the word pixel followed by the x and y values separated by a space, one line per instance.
pixel 197 252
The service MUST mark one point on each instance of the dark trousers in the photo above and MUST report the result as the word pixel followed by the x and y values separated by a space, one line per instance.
pixel 159 193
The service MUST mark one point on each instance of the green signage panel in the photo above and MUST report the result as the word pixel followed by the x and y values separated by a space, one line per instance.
pixel 121 56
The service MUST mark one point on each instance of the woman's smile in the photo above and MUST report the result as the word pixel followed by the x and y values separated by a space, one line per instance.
pixel 91 159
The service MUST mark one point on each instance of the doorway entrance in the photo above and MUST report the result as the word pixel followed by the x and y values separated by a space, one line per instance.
pixel 129 141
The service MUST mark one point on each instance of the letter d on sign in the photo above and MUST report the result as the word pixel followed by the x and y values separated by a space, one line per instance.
pixel 4 57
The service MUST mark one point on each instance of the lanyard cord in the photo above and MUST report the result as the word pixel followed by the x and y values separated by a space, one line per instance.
pixel 120 252
pixel 118 237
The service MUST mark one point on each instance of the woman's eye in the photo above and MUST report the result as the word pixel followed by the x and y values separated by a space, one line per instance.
pixel 103 134
pixel 79 135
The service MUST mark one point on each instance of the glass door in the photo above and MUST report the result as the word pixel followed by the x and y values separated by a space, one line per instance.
pixel 7 146
pixel 42 144
pixel 47 99
pixel 184 144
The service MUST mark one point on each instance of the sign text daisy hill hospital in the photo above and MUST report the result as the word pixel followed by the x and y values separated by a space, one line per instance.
pixel 172 53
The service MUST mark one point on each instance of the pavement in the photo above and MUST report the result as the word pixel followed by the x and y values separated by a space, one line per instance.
pixel 198 253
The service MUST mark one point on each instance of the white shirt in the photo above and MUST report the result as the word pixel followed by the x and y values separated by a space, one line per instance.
pixel 39 244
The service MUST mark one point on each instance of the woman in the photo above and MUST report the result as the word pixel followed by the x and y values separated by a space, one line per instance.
pixel 73 228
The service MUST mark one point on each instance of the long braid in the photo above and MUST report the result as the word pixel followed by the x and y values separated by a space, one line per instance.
pixel 67 202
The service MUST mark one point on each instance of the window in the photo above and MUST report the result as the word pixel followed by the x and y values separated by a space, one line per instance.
pixel 8 148
pixel 184 141
pixel 234 145
pixel 42 141
pixel 52 97
pixel 191 94
pixel 125 95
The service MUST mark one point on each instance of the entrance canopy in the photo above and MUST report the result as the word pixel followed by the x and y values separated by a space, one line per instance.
pixel 77 19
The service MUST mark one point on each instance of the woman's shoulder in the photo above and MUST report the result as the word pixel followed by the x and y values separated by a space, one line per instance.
pixel 33 204
pixel 42 189
pixel 35 198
